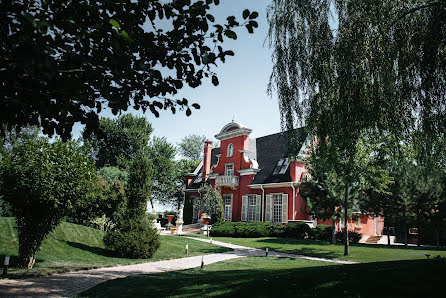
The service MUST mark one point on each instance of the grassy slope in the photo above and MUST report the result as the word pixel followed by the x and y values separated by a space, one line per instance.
pixel 74 247
pixel 359 252
pixel 270 277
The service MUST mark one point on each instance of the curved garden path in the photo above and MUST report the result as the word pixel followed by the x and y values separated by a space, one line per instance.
pixel 72 283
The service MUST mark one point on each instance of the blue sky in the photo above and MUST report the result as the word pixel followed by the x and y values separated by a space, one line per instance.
pixel 242 90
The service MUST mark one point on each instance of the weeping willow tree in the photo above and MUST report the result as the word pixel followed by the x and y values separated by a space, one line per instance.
pixel 343 67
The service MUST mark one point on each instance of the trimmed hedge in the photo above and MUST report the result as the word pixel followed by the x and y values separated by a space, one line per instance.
pixel 353 237
pixel 322 232
pixel 260 229
pixel 298 230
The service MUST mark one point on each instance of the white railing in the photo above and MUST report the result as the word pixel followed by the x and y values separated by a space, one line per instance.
pixel 226 180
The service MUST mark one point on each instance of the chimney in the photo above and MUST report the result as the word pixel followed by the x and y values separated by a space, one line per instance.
pixel 296 170
pixel 207 160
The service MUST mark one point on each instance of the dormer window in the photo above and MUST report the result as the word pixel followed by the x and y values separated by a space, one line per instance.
pixel 230 150
pixel 281 166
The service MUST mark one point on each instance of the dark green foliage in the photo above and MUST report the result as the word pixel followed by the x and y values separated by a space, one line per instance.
pixel 211 203
pixel 241 229
pixel 117 141
pixel 106 200
pixel 42 182
pixel 140 185
pixel 63 62
pixel 133 238
pixel 353 237
pixel 260 229
pixel 162 155
pixel 113 174
pixel 322 232
pixel 297 230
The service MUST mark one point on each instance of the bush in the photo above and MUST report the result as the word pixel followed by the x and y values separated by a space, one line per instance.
pixel 322 232
pixel 297 230
pixel 134 238
pixel 42 182
pixel 223 229
pixel 260 229
pixel 277 230
pixel 353 237
pixel 252 229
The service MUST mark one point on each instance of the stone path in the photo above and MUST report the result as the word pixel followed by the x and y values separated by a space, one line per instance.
pixel 255 252
pixel 72 283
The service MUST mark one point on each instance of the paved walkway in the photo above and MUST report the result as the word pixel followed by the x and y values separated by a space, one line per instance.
pixel 255 252
pixel 72 283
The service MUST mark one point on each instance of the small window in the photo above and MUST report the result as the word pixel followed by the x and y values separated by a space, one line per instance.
pixel 229 169
pixel 230 150
pixel 281 166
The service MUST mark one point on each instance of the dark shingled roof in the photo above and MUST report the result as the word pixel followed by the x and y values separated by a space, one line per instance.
pixel 196 185
pixel 270 149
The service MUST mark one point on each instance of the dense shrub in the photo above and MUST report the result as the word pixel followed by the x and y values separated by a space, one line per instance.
pixel 297 230
pixel 223 229
pixel 252 229
pixel 353 237
pixel 277 230
pixel 260 229
pixel 134 238
pixel 322 232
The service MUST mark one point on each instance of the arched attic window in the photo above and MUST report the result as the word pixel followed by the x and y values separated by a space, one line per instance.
pixel 230 150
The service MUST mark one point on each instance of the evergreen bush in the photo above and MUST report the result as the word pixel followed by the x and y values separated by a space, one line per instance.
pixel 353 237
pixel 322 232
pixel 297 230
pixel 133 238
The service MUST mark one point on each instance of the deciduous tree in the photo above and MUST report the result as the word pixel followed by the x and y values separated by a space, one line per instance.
pixel 42 182
pixel 64 61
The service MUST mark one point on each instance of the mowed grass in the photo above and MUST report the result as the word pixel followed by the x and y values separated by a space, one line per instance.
pixel 271 277
pixel 358 252
pixel 74 247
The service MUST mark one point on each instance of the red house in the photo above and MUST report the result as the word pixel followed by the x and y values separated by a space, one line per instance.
pixel 258 181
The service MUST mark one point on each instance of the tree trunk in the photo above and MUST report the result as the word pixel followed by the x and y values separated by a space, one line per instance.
pixel 405 229
pixel 333 231
pixel 346 219
pixel 437 237
pixel 26 261
pixel 388 237
pixel 418 229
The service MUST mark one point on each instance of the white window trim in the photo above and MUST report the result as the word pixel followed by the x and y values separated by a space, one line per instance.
pixel 272 206
pixel 233 170
pixel 247 206
pixel 232 203
pixel 230 151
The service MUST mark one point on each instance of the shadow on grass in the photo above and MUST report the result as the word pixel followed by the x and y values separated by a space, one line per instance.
pixel 397 278
pixel 93 249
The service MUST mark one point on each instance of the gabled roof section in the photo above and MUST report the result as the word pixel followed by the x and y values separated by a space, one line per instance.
pixel 197 180
pixel 270 150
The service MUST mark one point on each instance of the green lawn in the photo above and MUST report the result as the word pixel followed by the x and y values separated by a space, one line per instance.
pixel 359 252
pixel 271 277
pixel 74 247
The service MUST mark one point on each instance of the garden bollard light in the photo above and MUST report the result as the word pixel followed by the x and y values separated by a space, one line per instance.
pixel 211 240
pixel 266 252
pixel 187 249
pixel 202 262
pixel 5 266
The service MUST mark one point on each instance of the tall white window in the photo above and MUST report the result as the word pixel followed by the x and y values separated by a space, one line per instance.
pixel 251 208
pixel 277 208
pixel 227 207
pixel 229 169
pixel 230 150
